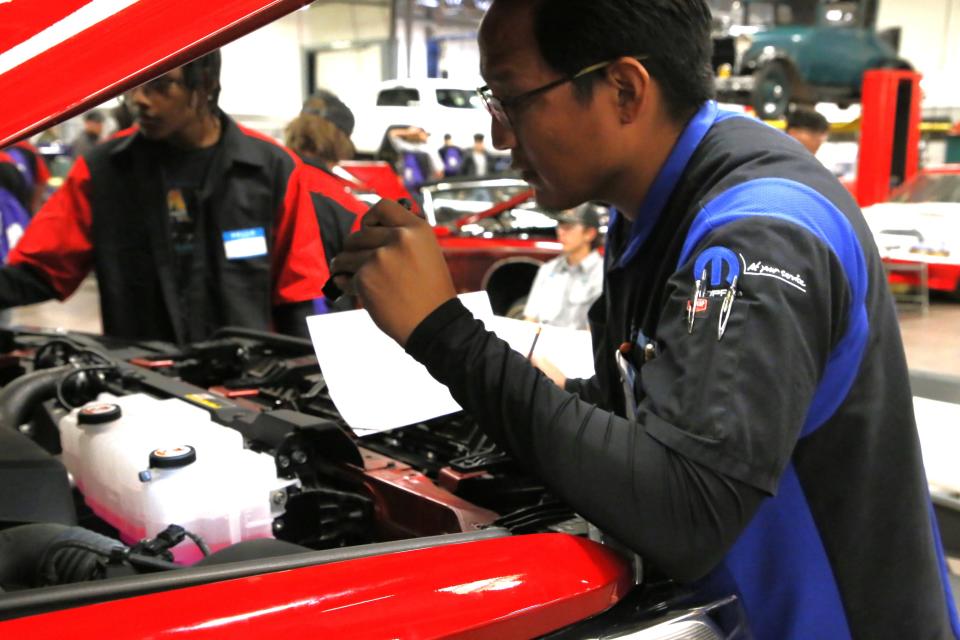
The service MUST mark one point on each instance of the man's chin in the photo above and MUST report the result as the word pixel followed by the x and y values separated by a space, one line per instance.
pixel 549 199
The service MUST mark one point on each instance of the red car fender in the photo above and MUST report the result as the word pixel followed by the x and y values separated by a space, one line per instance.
pixel 512 587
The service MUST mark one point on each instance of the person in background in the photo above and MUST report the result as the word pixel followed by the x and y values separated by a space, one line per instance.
pixel 478 161
pixel 809 127
pixel 90 136
pixel 325 104
pixel 413 160
pixel 568 285
pixel 452 157
pixel 320 135
pixel 34 171
pixel 750 428
pixel 190 222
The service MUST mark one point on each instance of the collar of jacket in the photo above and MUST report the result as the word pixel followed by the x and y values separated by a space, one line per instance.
pixel 663 186
pixel 234 144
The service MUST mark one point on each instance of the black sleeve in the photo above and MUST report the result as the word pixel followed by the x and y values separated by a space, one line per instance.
pixel 22 284
pixel 606 468
pixel 588 389
pixel 335 223
pixel 291 319
pixel 680 506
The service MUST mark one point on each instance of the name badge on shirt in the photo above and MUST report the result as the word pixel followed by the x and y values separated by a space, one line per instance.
pixel 245 243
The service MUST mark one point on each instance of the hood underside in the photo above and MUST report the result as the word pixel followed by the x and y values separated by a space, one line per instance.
pixel 58 59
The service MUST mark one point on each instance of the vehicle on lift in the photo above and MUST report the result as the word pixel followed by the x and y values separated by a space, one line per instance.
pixel 920 224
pixel 771 53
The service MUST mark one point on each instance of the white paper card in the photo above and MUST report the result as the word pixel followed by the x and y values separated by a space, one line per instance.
pixel 570 350
pixel 375 385
pixel 939 426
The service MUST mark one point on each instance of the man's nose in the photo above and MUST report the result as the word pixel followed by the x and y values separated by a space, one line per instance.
pixel 138 98
pixel 502 136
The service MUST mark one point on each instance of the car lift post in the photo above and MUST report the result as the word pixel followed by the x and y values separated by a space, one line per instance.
pixel 889 133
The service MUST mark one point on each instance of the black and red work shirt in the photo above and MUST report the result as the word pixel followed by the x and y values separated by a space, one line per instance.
pixel 256 245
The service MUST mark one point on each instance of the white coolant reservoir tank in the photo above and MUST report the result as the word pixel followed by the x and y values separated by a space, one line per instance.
pixel 143 464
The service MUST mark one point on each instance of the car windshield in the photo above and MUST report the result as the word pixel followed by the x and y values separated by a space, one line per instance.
pixel 451 202
pixel 458 99
pixel 930 187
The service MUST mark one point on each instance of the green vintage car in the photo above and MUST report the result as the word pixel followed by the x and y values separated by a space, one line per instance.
pixel 771 53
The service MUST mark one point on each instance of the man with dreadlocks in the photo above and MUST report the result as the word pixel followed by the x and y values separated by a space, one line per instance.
pixel 190 222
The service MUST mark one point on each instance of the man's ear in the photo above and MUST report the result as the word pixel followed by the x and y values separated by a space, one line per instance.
pixel 631 80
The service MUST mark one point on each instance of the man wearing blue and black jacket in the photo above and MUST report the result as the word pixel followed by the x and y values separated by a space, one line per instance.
pixel 750 427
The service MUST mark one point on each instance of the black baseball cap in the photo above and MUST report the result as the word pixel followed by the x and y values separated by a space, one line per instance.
pixel 327 105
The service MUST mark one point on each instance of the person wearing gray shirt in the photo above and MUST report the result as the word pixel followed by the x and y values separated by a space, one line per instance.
pixel 566 286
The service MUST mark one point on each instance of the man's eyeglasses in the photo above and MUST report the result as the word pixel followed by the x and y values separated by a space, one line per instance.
pixel 500 108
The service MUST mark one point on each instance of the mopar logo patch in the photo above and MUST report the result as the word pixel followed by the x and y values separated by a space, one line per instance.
pixel 721 264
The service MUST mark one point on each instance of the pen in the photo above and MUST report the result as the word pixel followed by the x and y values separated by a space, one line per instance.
pixel 535 338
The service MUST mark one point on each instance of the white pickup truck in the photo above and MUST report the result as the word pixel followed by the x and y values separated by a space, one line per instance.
pixel 439 106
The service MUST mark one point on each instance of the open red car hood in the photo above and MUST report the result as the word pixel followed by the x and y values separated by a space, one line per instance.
pixel 59 58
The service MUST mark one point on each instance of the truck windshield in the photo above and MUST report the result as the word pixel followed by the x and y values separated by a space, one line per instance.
pixel 458 99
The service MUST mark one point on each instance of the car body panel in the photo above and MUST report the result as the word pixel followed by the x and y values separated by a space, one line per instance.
pixel 62 58
pixel 502 588
pixel 919 232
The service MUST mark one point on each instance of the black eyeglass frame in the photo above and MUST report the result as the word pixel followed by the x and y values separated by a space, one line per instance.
pixel 499 108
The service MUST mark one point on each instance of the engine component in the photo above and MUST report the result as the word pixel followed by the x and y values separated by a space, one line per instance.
pixel 48 554
pixel 19 398
pixel 143 464
pixel 34 483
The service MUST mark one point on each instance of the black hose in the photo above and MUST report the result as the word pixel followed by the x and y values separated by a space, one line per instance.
pixel 23 395
pixel 273 339
pixel 33 555
pixel 197 540
pixel 21 549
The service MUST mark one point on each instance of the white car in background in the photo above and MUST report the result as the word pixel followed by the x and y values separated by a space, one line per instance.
pixel 920 223
pixel 437 105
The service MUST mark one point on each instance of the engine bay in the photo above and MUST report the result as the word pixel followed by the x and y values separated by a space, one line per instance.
pixel 128 459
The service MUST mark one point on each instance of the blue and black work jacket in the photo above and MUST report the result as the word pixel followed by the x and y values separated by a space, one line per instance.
pixel 771 450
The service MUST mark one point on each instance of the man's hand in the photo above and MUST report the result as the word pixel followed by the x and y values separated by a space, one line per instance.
pixel 398 271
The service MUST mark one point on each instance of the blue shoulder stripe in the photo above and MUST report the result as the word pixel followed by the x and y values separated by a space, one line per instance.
pixel 799 204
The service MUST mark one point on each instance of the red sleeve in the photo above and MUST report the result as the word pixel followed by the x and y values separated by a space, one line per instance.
pixel 298 258
pixel 57 242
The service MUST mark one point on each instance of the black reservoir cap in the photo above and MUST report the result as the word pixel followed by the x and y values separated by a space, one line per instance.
pixel 173 457
pixel 99 413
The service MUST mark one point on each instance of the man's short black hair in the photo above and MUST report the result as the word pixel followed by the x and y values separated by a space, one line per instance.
pixel 479 137
pixel 803 118
pixel 93 116
pixel 203 75
pixel 674 34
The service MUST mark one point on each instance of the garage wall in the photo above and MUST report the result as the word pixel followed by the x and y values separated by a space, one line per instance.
pixel 931 41
pixel 262 75
pixel 263 72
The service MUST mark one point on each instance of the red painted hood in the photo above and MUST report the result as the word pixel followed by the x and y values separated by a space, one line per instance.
pixel 60 58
